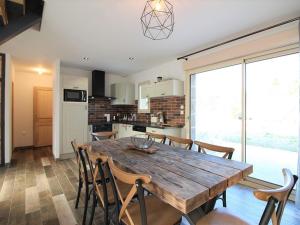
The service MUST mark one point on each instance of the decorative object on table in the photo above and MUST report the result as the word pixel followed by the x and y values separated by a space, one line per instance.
pixel 158 19
pixel 139 142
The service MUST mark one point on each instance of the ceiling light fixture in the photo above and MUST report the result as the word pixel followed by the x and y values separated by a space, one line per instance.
pixel 158 19
pixel 40 70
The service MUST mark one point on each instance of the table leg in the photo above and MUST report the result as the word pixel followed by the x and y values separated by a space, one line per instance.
pixel 196 214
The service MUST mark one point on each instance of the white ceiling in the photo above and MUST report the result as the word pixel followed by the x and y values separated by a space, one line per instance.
pixel 109 31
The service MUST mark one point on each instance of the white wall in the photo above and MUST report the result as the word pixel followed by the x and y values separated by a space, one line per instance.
pixel 9 74
pixel 24 84
pixel 57 110
pixel 172 69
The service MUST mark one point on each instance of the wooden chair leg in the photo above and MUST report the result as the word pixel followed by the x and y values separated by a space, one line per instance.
pixel 86 202
pixel 78 193
pixel 224 199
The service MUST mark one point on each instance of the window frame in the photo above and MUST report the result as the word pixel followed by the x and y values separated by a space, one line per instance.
pixel 272 53
pixel 139 98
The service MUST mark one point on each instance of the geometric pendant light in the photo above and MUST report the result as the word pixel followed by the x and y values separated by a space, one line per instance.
pixel 158 19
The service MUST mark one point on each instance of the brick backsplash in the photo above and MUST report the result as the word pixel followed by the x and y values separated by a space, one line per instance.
pixel 169 105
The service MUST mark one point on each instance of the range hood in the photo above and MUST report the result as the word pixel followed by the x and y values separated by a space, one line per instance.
pixel 98 85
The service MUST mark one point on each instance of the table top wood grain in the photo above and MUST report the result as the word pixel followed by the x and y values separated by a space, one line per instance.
pixel 182 178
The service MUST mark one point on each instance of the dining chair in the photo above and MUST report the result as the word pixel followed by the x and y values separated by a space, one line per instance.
pixel 20 2
pixel 84 177
pixel 161 138
pixel 102 193
pixel 147 209
pixel 225 152
pixel 98 136
pixel 185 142
pixel 3 13
pixel 276 200
pixel 75 148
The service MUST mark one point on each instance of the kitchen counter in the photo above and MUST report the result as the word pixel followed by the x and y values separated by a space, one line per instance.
pixel 140 124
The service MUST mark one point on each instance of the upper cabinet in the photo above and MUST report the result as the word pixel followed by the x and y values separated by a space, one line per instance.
pixel 163 88
pixel 75 82
pixel 123 94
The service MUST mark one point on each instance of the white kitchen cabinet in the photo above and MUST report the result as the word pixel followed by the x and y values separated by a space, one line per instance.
pixel 75 125
pixel 168 88
pixel 115 128
pixel 75 82
pixel 123 94
pixel 147 90
pixel 172 131
pixel 125 130
pixel 163 88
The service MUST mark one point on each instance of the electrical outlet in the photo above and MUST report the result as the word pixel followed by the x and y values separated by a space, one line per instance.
pixel 181 106
pixel 181 112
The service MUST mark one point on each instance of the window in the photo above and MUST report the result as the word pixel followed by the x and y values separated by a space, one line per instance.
pixel 254 107
pixel 144 99
pixel 216 107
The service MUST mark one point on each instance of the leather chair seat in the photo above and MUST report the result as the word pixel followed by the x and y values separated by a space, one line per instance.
pixel 223 216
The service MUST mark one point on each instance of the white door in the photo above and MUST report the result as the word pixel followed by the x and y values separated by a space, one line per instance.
pixel 75 125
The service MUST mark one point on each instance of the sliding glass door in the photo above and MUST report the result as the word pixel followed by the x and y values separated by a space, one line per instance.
pixel 272 113
pixel 216 107
pixel 253 107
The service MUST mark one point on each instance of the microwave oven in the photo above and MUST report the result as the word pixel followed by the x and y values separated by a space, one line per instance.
pixel 71 95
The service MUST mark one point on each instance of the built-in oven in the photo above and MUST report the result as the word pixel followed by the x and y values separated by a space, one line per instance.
pixel 71 95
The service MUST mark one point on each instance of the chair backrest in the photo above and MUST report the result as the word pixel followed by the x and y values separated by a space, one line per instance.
pixel 188 143
pixel 160 137
pixel 99 162
pixel 276 199
pixel 136 180
pixel 226 152
pixel 86 166
pixel 98 136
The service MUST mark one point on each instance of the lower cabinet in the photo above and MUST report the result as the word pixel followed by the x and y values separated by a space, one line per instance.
pixel 166 131
pixel 125 130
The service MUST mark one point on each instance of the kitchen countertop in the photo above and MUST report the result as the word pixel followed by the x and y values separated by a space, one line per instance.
pixel 140 124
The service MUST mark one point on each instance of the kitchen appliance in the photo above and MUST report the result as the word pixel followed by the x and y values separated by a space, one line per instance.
pixel 161 117
pixel 154 119
pixel 102 127
pixel 73 95
pixel 139 128
pixel 98 84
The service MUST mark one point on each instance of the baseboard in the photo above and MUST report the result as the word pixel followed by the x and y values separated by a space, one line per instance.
pixel 23 147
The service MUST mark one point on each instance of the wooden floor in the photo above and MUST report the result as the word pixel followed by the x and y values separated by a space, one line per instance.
pixel 37 190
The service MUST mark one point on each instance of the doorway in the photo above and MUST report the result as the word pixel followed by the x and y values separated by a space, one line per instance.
pixel 32 106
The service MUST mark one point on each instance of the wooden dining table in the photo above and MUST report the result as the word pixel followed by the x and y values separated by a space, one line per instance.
pixel 187 180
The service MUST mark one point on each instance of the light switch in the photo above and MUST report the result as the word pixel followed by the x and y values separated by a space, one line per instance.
pixel 181 106
pixel 181 112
